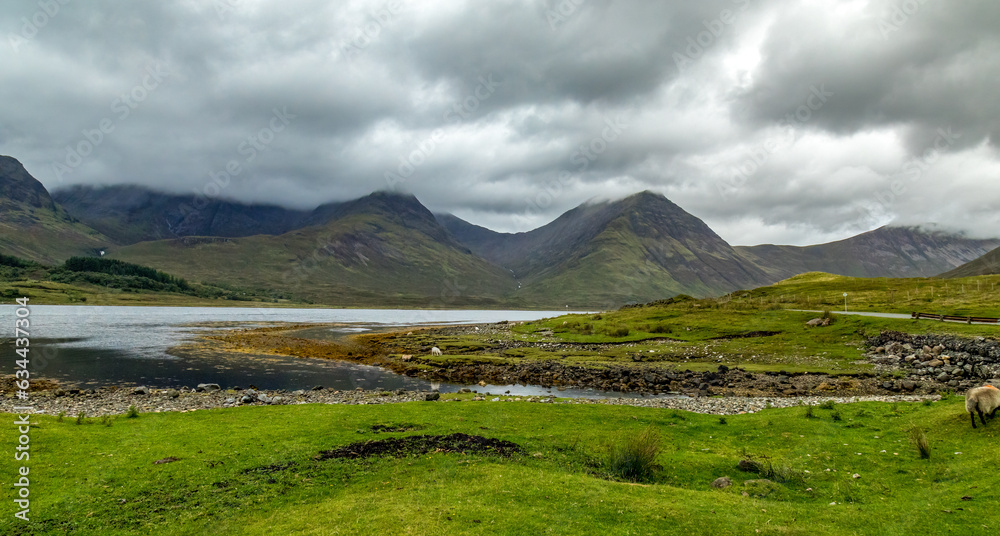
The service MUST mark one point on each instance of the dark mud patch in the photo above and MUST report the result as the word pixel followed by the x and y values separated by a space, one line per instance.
pixel 423 444
pixel 270 469
pixel 747 335
pixel 391 428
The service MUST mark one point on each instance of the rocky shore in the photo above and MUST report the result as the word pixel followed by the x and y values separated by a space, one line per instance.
pixel 117 401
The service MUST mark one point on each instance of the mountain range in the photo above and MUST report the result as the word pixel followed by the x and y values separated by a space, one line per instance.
pixel 388 249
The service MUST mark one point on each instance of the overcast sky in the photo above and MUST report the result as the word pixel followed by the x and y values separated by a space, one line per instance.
pixel 791 121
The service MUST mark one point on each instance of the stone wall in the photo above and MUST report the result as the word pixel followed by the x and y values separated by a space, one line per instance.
pixel 958 362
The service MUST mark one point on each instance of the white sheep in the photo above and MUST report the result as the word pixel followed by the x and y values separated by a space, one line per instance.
pixel 435 351
pixel 985 399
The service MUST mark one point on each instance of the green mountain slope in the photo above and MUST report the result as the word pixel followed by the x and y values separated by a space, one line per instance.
pixel 988 264
pixel 383 249
pixel 33 226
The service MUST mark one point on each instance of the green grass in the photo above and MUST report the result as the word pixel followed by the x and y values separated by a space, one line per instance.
pixel 975 296
pixel 233 477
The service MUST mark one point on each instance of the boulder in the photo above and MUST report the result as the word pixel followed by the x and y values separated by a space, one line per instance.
pixel 816 322
pixel 722 482
pixel 432 396
pixel 208 387
pixel 141 390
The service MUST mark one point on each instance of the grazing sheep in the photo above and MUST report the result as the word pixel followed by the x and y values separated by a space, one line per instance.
pixel 985 399
pixel 435 351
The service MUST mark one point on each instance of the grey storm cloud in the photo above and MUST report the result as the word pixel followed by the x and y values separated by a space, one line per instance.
pixel 775 121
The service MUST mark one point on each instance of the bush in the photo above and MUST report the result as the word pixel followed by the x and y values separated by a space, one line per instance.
pixel 634 459
pixel 79 417
pixel 661 328
pixel 132 413
pixel 618 331
pixel 809 411
pixel 826 405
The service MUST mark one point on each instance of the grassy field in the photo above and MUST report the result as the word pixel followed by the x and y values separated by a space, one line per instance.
pixel 848 469
pixel 976 296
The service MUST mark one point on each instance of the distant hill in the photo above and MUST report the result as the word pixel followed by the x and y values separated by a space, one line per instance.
pixel 35 227
pixel 132 214
pixel 988 264
pixel 884 252
pixel 383 249
pixel 637 249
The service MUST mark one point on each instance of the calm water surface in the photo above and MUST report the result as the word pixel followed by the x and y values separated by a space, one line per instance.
pixel 103 345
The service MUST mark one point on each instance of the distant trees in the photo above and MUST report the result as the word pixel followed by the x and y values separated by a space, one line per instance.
pixel 119 274
pixel 15 262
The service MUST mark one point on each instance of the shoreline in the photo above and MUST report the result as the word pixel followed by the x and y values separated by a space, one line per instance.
pixel 117 401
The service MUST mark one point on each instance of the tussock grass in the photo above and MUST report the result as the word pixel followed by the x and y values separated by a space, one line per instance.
pixel 634 457
pixel 919 440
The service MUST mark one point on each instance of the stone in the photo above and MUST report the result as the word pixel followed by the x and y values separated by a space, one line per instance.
pixel 173 393
pixel 432 396
pixel 141 390
pixel 722 482
pixel 264 398
pixel 943 377
pixel 317 388
pixel 208 387
pixel 816 322
pixel 934 363
pixel 278 400
pixel 749 466
pixel 465 390
pixel 908 385
pixel 937 349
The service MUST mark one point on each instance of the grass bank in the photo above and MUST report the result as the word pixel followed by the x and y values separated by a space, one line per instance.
pixel 848 469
